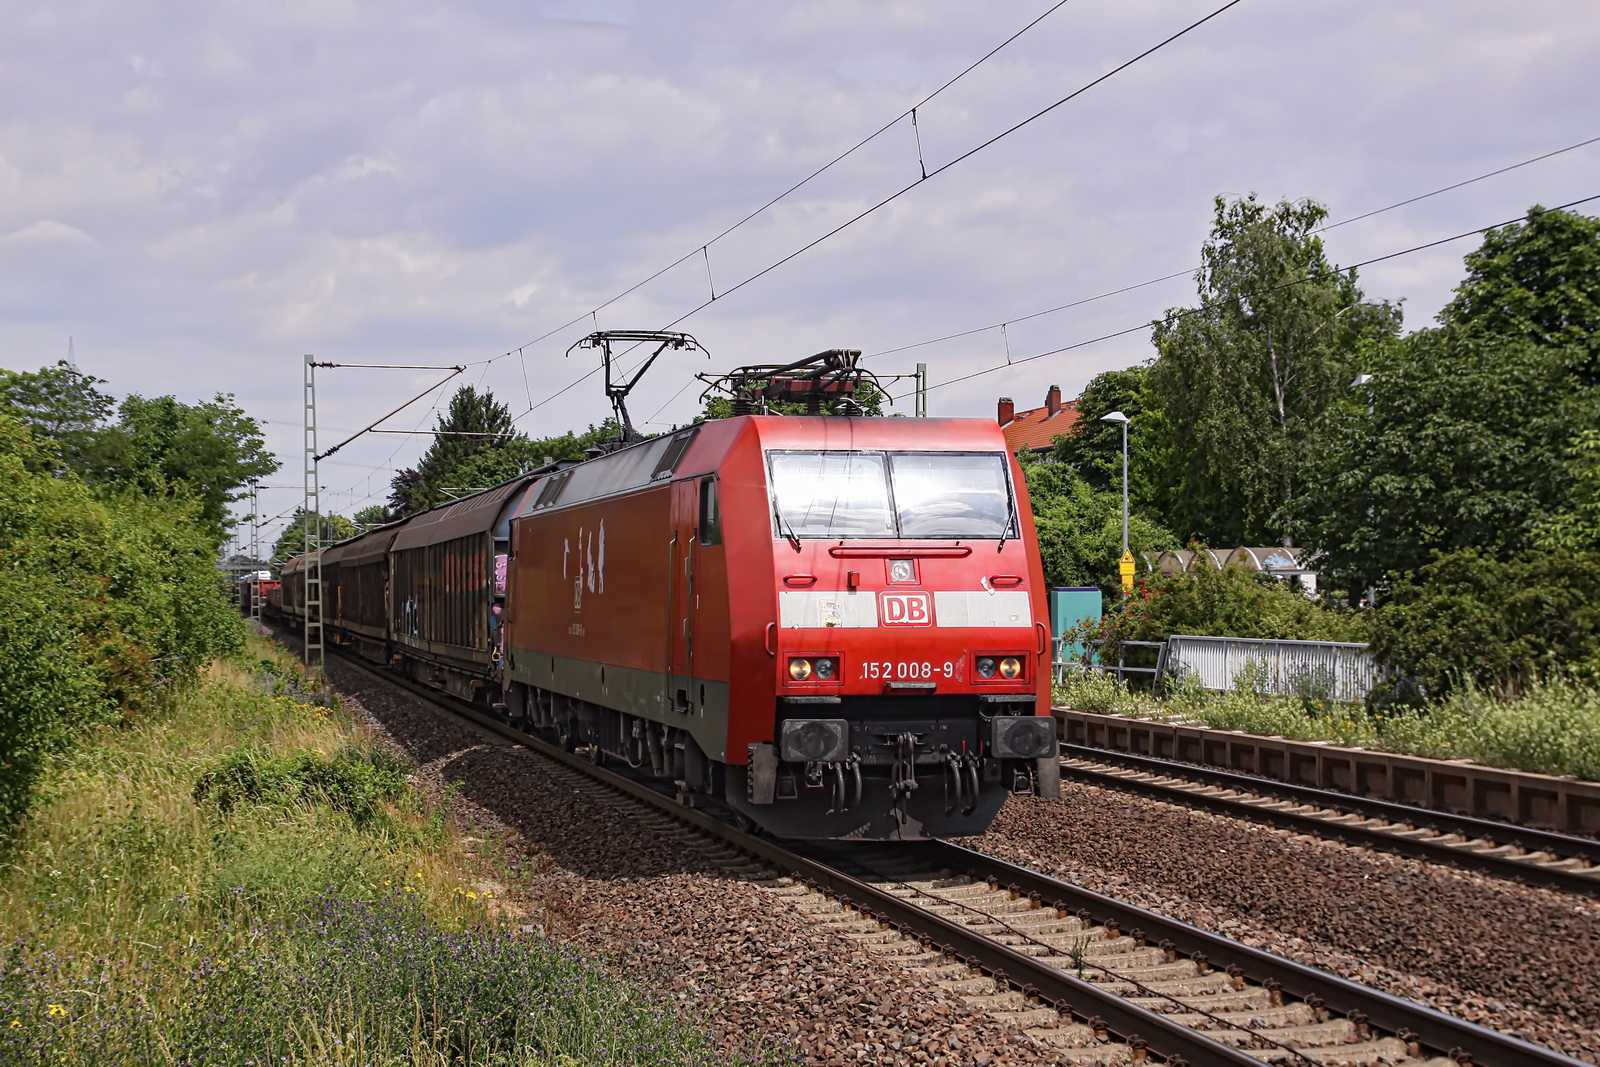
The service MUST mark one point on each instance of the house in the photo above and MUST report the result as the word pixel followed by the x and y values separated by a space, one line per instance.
pixel 1035 428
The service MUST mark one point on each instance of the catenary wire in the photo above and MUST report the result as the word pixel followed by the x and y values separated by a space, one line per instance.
pixel 968 154
pixel 927 175
pixel 703 246
pixel 1185 312
pixel 1182 273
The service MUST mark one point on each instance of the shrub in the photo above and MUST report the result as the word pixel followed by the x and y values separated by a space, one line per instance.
pixel 1498 625
pixel 356 780
pixel 138 927
pixel 1212 602
pixel 108 607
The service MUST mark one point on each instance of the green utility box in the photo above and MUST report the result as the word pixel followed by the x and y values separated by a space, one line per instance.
pixel 1069 606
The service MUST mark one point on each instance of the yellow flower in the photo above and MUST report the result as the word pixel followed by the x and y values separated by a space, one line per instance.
pixel 15 1023
pixel 471 895
pixel 56 1009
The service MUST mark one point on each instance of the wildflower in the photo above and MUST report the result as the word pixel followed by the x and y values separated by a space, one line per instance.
pixel 56 1009
pixel 15 1023
pixel 471 895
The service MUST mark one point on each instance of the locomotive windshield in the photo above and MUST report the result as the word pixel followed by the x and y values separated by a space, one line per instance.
pixel 943 495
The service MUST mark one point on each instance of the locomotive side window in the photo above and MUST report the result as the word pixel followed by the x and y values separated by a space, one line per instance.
pixel 951 494
pixel 710 513
pixel 832 494
pixel 944 495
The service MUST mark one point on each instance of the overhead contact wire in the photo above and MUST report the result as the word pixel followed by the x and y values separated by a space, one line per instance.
pixel 1186 312
pixel 1179 274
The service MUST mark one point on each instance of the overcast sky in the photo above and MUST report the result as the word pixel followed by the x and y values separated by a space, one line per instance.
pixel 198 194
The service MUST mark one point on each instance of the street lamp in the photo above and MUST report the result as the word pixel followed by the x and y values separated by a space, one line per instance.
pixel 1117 416
pixel 1367 380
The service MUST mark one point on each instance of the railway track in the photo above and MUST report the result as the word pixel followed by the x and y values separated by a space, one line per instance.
pixel 1560 861
pixel 1101 981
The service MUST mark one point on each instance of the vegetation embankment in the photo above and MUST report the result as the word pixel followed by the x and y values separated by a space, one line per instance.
pixel 246 876
pixel 1550 728
pixel 112 605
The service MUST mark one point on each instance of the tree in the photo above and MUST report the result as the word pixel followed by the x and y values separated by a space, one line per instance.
pixel 372 515
pixel 868 396
pixel 161 447
pixel 1080 527
pixel 1094 448
pixel 1463 442
pixel 475 424
pixel 292 541
pixel 1538 280
pixel 62 406
pixel 404 487
pixel 1243 378
pixel 1501 625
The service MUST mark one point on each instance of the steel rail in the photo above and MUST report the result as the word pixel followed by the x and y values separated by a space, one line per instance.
pixel 1433 850
pixel 1169 1040
pixel 1384 1011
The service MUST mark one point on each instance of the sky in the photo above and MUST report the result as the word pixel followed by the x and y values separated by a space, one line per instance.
pixel 195 196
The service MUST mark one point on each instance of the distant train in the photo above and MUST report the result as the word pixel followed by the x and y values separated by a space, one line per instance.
pixel 836 626
pixel 258 588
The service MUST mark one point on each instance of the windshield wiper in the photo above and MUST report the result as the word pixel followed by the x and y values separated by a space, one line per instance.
pixel 783 527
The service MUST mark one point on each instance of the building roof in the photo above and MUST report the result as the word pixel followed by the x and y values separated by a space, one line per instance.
pixel 1036 428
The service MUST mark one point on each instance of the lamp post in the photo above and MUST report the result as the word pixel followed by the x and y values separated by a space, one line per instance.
pixel 1366 380
pixel 1127 559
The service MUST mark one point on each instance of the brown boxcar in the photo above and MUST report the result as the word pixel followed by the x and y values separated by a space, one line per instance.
pixel 447 572
pixel 355 578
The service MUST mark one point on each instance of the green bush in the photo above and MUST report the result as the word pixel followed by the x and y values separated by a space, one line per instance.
pixel 356 780
pixel 1551 728
pixel 108 607
pixel 1497 625
pixel 1212 602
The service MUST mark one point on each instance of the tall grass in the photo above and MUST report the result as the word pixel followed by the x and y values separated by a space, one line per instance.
pixel 1553 728
pixel 249 879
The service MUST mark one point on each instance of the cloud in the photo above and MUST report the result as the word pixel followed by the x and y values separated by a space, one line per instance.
pixel 199 194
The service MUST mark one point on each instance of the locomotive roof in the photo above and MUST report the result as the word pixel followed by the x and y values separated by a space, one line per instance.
pixel 879 432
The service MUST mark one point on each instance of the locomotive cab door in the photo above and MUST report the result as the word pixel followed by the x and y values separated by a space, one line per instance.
pixel 680 584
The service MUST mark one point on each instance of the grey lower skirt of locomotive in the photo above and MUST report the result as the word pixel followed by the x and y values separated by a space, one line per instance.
pixel 896 768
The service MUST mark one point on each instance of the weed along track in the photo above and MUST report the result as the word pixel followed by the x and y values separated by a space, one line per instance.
pixel 1086 978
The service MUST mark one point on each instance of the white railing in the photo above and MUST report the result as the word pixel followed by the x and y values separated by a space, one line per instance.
pixel 1344 671
pixel 1338 670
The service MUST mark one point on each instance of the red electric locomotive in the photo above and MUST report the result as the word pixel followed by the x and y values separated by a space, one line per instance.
pixel 837 625
pixel 834 625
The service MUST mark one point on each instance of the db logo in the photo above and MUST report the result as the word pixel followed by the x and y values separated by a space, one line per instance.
pixel 905 609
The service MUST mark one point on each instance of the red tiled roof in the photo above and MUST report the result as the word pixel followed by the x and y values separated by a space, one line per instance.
pixel 1036 427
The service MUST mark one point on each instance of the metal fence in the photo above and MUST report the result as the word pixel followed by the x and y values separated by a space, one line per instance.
pixel 1343 671
pixel 1339 670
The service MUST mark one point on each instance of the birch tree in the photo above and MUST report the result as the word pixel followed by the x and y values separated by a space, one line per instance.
pixel 1243 377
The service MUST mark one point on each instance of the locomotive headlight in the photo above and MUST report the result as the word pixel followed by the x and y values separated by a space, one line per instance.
pixel 826 669
pixel 986 666
pixel 901 570
pixel 799 669
pixel 1010 667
